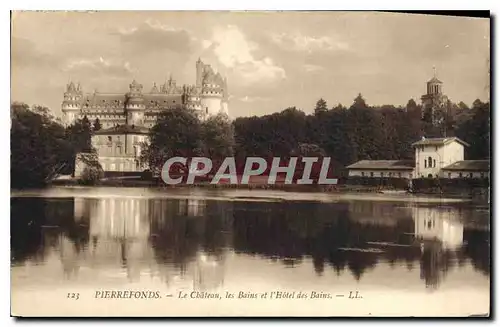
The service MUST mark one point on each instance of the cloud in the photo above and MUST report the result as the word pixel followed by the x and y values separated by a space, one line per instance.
pixel 237 53
pixel 300 42
pixel 100 66
pixel 24 53
pixel 312 68
pixel 152 36
pixel 252 99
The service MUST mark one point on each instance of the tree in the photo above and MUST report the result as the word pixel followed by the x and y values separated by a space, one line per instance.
pixel 218 136
pixel 97 125
pixel 476 131
pixel 38 146
pixel 321 107
pixel 177 133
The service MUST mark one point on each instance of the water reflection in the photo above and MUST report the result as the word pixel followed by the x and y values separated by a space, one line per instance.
pixel 188 242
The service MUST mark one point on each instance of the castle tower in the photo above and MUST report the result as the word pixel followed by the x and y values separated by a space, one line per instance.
pixel 71 104
pixel 211 91
pixel 433 101
pixel 199 72
pixel 135 106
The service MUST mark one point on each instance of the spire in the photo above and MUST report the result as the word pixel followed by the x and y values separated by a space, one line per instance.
pixel 154 89
pixel 434 69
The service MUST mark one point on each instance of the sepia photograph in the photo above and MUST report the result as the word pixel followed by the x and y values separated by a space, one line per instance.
pixel 250 164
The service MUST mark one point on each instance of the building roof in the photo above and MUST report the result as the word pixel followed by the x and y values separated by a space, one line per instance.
pixel 123 129
pixel 469 165
pixel 439 141
pixel 383 165
pixel 113 101
pixel 434 80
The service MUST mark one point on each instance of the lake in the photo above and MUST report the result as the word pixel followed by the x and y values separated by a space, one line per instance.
pixel 151 252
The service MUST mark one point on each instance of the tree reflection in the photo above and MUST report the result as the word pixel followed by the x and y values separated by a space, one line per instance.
pixel 191 237
pixel 358 235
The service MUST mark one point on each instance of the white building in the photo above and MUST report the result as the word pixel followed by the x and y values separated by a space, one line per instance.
pixel 434 158
pixel 441 224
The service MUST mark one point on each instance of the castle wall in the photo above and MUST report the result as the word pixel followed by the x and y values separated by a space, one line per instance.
pixel 211 105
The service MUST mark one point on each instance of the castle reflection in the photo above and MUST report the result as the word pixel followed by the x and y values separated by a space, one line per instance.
pixel 187 241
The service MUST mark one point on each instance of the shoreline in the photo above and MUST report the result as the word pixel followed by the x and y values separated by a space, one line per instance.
pixel 338 188
pixel 241 192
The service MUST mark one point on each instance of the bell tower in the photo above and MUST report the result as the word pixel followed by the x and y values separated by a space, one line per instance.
pixel 434 100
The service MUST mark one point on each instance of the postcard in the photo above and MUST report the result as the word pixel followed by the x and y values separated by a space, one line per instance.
pixel 250 164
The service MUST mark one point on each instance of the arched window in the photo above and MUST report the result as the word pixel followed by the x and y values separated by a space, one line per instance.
pixel 434 163
pixel 425 163
pixel 430 162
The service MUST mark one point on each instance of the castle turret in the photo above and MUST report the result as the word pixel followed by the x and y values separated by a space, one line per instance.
pixel 135 106
pixel 71 104
pixel 192 98
pixel 211 91
pixel 199 72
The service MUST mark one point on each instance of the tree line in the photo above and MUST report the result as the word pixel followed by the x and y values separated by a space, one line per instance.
pixel 346 134
pixel 41 146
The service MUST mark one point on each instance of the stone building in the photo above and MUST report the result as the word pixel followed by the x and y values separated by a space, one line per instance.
pixel 209 96
pixel 119 148
pixel 126 118
pixel 434 158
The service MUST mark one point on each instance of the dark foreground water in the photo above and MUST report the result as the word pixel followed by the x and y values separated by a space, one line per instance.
pixel 320 254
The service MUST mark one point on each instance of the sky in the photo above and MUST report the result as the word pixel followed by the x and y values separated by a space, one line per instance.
pixel 272 60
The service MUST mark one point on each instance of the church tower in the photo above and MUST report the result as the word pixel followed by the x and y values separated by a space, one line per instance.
pixel 434 101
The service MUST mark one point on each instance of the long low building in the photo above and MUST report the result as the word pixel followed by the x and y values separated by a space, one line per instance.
pixel 434 158
pixel 467 169
pixel 383 168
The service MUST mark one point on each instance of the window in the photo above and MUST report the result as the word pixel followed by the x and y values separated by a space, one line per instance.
pixel 434 163
pixel 411 175
pixel 425 163
pixel 399 175
pixel 110 138
pixel 363 173
pixel 470 175
pixel 460 175
pixel 381 174
pixel 436 148
pixel 429 164
pixel 482 175
pixel 449 175
pixel 371 174
pixel 390 174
